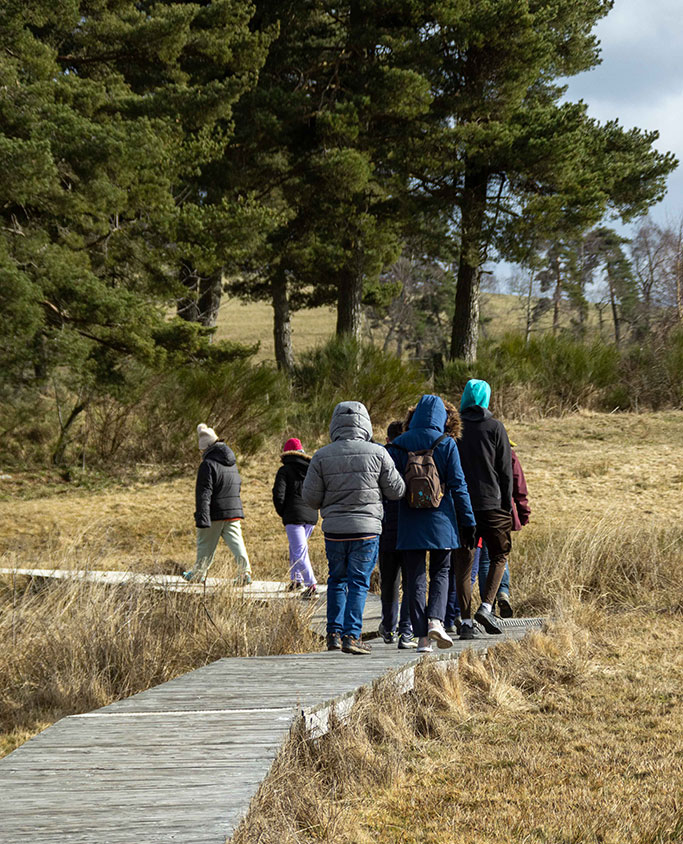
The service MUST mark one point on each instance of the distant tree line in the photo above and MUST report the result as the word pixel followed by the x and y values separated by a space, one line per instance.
pixel 155 154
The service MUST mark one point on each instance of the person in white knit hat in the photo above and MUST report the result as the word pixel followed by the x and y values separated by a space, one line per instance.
pixel 218 510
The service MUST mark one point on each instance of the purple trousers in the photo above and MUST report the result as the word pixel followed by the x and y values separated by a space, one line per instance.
pixel 299 562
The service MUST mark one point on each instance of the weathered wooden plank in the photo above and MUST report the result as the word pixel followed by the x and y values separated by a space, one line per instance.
pixel 181 761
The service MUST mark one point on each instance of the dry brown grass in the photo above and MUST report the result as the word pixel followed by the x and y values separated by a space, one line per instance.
pixel 565 737
pixel 252 322
pixel 578 468
pixel 572 736
pixel 69 647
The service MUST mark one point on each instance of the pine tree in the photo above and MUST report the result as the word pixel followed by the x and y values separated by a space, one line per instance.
pixel 107 109
pixel 510 161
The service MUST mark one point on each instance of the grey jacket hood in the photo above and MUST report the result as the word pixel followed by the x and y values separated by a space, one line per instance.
pixel 350 421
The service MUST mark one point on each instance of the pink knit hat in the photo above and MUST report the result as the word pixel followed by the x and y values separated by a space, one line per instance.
pixel 293 444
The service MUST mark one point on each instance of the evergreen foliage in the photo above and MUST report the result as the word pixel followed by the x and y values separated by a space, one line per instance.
pixel 344 368
pixel 106 110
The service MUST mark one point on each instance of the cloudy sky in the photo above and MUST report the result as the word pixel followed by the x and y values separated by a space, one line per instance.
pixel 640 80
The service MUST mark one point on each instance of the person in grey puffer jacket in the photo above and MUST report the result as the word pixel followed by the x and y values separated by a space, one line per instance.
pixel 218 510
pixel 346 481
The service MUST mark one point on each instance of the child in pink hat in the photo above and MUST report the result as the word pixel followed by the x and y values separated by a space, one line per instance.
pixel 298 518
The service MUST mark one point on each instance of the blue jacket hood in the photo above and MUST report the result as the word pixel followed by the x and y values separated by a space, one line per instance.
pixel 477 393
pixel 429 413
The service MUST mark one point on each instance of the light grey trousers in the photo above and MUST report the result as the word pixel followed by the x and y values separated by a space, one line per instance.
pixel 207 542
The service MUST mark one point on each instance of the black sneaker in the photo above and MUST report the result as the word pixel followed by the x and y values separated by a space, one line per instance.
pixel 406 642
pixel 294 586
pixel 351 645
pixel 504 606
pixel 310 593
pixel 454 629
pixel 488 621
pixel 334 642
pixel 468 631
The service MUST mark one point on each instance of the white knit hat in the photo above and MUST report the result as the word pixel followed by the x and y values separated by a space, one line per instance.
pixel 207 436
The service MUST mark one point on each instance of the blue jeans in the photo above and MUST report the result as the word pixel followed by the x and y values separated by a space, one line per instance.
pixel 480 568
pixel 350 563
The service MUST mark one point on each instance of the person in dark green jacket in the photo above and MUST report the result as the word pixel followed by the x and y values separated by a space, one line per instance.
pixel 218 511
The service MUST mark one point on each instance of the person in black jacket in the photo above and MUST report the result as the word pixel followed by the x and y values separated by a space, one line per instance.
pixel 487 463
pixel 218 510
pixel 392 574
pixel 298 518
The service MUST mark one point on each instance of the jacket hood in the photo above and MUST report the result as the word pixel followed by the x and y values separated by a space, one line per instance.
pixel 295 457
pixel 220 453
pixel 350 421
pixel 476 413
pixel 429 413
pixel 477 393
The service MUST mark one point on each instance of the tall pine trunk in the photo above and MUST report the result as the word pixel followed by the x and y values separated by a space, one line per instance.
pixel 203 297
pixel 557 296
pixel 282 325
pixel 349 301
pixel 465 332
pixel 615 310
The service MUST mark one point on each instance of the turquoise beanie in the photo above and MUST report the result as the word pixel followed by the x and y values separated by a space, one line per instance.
pixel 476 392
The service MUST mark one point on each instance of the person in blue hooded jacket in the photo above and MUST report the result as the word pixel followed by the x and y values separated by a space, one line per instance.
pixel 432 529
pixel 487 462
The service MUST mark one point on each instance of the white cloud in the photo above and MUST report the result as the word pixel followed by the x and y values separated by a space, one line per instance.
pixel 640 80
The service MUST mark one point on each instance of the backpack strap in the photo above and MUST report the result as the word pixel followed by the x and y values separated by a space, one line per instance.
pixel 422 451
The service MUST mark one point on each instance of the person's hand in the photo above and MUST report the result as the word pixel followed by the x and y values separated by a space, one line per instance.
pixel 468 536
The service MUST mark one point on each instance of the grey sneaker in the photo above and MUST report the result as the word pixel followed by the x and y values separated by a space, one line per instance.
pixel 406 642
pixel 243 579
pixel 351 645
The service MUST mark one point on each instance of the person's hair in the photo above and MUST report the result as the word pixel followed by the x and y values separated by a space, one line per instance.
pixel 395 428
pixel 453 426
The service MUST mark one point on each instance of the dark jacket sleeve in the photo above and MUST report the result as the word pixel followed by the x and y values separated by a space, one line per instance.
pixel 503 468
pixel 203 492
pixel 520 493
pixel 457 486
pixel 391 483
pixel 280 490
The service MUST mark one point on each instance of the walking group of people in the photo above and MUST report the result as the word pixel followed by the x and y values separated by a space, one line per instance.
pixel 446 482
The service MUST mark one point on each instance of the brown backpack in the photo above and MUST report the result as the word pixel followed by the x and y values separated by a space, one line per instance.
pixel 424 487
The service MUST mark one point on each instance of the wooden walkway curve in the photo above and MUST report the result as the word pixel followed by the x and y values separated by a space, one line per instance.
pixel 180 762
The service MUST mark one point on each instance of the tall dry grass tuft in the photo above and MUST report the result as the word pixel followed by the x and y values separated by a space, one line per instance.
pixel 616 562
pixel 69 647
pixel 317 786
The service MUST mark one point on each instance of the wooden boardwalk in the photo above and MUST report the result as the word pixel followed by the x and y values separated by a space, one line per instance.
pixel 258 590
pixel 181 762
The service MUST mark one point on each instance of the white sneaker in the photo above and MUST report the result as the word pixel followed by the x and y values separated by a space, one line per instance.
pixel 423 645
pixel 438 634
